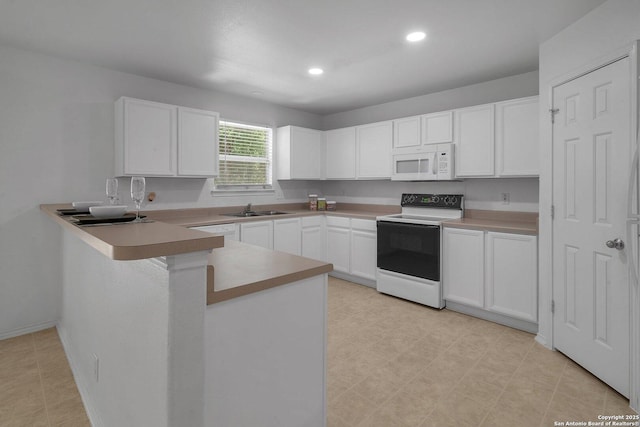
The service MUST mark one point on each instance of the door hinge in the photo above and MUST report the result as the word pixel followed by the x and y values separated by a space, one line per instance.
pixel 553 211
pixel 553 112
pixel 553 306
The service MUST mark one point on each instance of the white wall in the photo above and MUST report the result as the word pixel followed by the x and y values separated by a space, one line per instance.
pixel 517 86
pixel 56 144
pixel 610 27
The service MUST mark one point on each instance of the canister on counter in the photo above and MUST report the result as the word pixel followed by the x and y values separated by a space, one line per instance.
pixel 322 203
pixel 331 205
pixel 313 202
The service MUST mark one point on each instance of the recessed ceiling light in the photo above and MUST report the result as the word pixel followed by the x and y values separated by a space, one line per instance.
pixel 416 36
pixel 315 71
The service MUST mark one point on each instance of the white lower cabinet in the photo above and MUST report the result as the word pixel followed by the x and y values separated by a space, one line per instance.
pixel 259 233
pixel 512 275
pixel 313 237
pixel 363 248
pixel 338 243
pixel 286 236
pixel 463 266
pixel 491 271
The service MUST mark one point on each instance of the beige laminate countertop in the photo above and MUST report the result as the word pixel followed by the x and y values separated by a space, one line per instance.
pixel 500 221
pixel 132 241
pixel 241 269
pixel 211 216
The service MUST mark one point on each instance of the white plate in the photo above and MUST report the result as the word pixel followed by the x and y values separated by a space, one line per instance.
pixel 84 206
pixel 109 211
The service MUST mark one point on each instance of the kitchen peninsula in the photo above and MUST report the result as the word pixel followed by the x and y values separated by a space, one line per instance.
pixel 146 349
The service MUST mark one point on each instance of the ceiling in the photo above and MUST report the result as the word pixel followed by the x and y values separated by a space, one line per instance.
pixel 262 48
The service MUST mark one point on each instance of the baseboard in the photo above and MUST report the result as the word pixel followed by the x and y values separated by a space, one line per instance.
pixel 28 329
pixel 94 419
pixel 355 279
pixel 523 325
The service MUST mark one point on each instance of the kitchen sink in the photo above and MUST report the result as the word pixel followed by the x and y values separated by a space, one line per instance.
pixel 268 213
pixel 253 213
pixel 242 214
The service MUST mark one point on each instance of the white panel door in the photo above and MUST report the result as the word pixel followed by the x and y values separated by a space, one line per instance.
pixel 340 153
pixel 463 266
pixel 197 142
pixel 591 161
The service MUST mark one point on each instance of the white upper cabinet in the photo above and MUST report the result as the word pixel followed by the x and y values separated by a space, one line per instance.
pixel 412 133
pixel 474 139
pixel 437 128
pixel 374 143
pixel 517 137
pixel 155 139
pixel 407 134
pixel 197 142
pixel 299 153
pixel 340 153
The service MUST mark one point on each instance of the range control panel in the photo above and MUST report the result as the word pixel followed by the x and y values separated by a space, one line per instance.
pixel 451 201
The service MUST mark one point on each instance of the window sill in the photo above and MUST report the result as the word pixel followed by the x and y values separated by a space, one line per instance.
pixel 242 191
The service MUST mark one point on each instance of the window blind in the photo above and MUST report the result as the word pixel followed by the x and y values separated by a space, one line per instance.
pixel 245 156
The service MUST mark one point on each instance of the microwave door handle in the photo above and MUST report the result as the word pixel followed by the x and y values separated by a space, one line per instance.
pixel 435 164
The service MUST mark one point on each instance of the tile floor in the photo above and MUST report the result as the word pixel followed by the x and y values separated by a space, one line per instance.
pixel 391 363
pixel 36 384
pixel 395 363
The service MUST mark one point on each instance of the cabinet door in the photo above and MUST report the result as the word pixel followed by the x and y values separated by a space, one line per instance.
pixel 517 142
pixel 286 236
pixel 437 128
pixel 338 248
pixel 313 239
pixel 463 266
pixel 474 139
pixel 406 134
pixel 374 143
pixel 259 233
pixel 197 142
pixel 149 138
pixel 306 153
pixel 512 275
pixel 364 253
pixel 340 153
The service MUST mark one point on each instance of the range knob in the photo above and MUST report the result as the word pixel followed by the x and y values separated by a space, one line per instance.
pixel 447 200
pixel 454 200
pixel 435 198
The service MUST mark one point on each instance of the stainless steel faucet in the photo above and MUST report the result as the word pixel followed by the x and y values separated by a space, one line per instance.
pixel 247 208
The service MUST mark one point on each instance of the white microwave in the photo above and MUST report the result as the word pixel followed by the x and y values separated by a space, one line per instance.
pixel 431 163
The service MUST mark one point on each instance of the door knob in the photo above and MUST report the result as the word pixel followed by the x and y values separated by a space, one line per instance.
pixel 615 243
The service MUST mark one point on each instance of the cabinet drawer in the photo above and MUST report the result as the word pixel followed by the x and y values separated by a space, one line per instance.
pixel 363 224
pixel 312 221
pixel 338 221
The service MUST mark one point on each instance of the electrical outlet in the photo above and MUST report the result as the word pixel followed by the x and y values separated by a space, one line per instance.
pixel 505 198
pixel 96 367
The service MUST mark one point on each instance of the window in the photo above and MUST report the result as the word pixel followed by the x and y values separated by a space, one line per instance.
pixel 245 157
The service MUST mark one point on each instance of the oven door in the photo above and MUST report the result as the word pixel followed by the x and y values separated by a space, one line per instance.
pixel 411 249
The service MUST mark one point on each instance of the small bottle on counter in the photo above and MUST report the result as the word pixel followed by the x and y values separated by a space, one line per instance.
pixel 322 203
pixel 331 205
pixel 313 202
